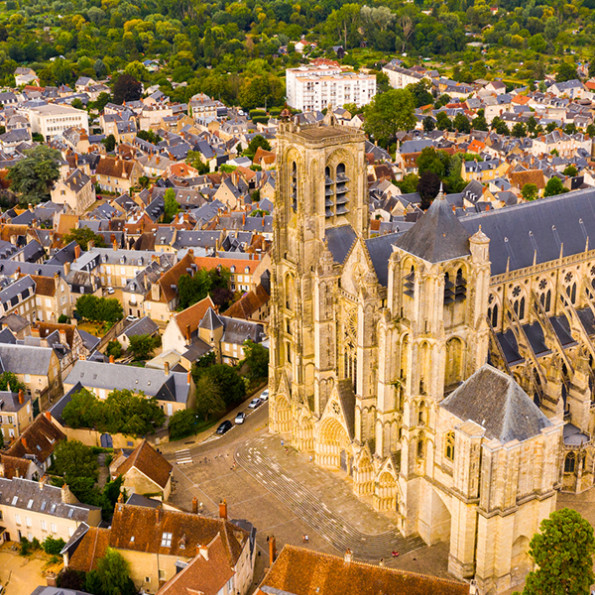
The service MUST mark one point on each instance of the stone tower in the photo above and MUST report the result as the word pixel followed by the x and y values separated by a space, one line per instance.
pixel 322 186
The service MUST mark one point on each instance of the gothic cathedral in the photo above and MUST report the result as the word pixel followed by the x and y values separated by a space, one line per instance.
pixel 380 363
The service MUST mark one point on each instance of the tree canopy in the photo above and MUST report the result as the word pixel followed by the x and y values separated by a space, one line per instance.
pixel 91 307
pixel 33 177
pixel 82 236
pixel 112 576
pixel 563 551
pixel 388 113
pixel 127 88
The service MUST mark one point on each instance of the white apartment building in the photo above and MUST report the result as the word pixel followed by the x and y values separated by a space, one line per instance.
pixel 399 77
pixel 51 119
pixel 316 87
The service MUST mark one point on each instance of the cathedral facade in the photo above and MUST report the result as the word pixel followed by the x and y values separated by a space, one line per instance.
pixel 447 370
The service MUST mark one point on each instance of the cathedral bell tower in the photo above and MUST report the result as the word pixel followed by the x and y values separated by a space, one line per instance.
pixel 321 186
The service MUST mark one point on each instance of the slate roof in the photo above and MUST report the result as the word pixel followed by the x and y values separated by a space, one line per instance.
pixel 24 359
pixel 339 241
pixel 437 236
pixel 144 326
pixel 380 249
pixel 540 226
pixel 36 497
pixel 154 383
pixel 496 402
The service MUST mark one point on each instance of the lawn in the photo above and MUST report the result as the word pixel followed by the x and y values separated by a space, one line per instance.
pixel 95 328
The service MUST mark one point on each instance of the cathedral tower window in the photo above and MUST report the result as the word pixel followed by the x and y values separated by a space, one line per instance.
pixel 409 284
pixel 492 311
pixel 460 286
pixel 420 448
pixel 449 446
pixel 449 287
pixel 329 193
pixel 342 190
pixel 569 463
pixel 294 186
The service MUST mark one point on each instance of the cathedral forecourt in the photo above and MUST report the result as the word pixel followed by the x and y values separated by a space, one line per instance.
pixel 407 360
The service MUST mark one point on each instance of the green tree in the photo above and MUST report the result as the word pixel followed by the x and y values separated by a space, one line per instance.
pixel 82 236
pixel 171 206
pixel 112 576
pixel 77 103
pixel 421 93
pixel 461 123
pixel 181 424
pixel 96 309
pixel 529 191
pixel 388 113
pixel 256 358
pixel 429 124
pixel 255 143
pixel 114 348
pixel 532 125
pixel 73 459
pixel 554 187
pixel 563 552
pixel 519 130
pixel 53 546
pixel 71 579
pixel 142 346
pixel 9 381
pixel 480 122
pixel 126 88
pixel 432 160
pixel 261 90
pixel 500 126
pixel 32 178
pixel 566 72
pixel 209 398
pixel 570 170
pixel 109 142
pixel 408 184
pixel 443 122
pixel 428 187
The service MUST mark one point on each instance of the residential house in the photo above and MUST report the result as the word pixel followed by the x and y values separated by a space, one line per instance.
pixel 158 543
pixel 117 175
pixel 36 510
pixel 16 414
pixel 173 391
pixel 19 298
pixel 52 298
pixel 76 191
pixel 38 368
pixel 144 471
pixel 38 442
pixel 143 326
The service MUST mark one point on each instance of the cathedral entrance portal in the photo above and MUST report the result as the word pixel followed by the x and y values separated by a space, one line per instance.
pixel 333 445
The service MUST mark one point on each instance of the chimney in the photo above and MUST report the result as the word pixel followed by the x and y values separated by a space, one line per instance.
pixel 30 207
pixel 77 251
pixel 195 505
pixel 51 579
pixel 48 415
pixel 203 550
pixel 189 377
pixel 188 335
pixel 67 496
pixel 21 396
pixel 82 356
pixel 115 245
pixel 166 370
pixel 66 268
pixel 111 359
pixel 24 441
pixel 347 557
pixel 41 483
pixel 222 509
pixel 90 244
pixel 272 549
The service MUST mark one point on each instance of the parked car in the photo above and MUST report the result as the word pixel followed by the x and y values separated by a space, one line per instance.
pixel 240 418
pixel 224 427
pixel 254 403
pixel 111 290
pixel 264 395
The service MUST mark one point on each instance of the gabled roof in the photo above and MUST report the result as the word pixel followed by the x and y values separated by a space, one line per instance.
pixel 437 236
pixel 149 462
pixel 39 439
pixel 210 320
pixel 298 571
pixel 496 402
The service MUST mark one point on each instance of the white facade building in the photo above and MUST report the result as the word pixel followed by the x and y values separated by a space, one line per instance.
pixel 316 87
pixel 51 120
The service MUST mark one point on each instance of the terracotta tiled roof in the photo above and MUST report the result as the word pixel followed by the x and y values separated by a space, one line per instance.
pixel 240 264
pixel 46 328
pixel 149 462
pixel 14 466
pixel 303 572
pixel 169 279
pixel 249 303
pixel 44 285
pixel 91 548
pixel 39 439
pixel 189 318
pixel 115 168
pixel 182 530
pixel 530 176
pixel 263 156
pixel 66 223
pixel 7 231
pixel 206 575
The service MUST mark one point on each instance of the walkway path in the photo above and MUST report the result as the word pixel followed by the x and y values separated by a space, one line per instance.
pixel 313 509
